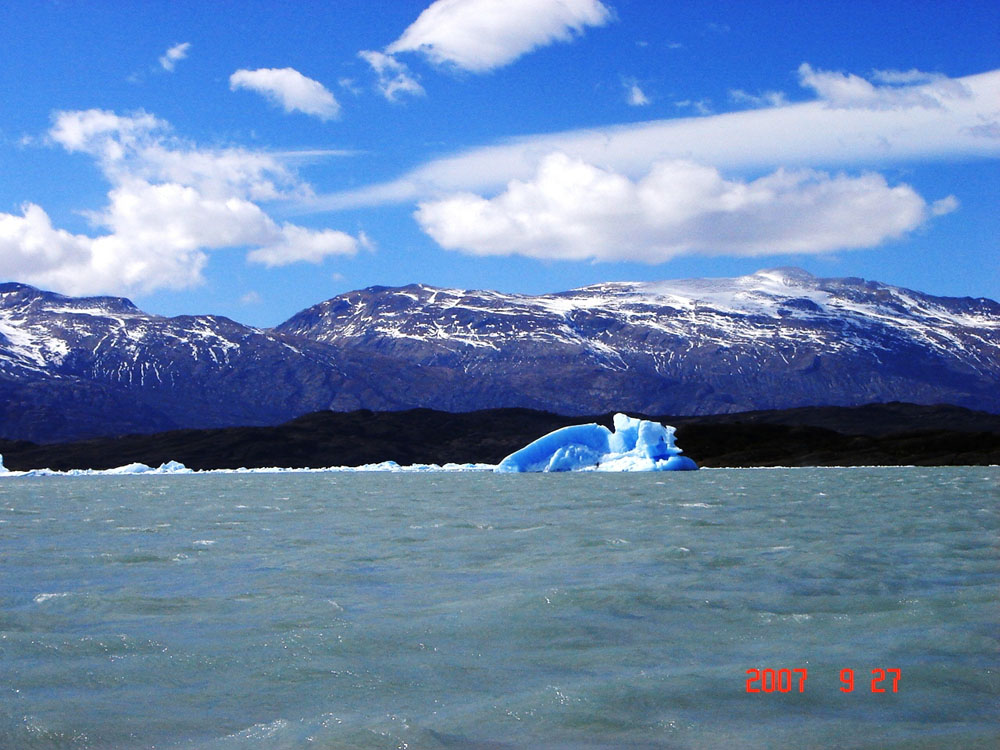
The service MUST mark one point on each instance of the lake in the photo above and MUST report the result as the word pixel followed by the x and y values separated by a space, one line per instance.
pixel 473 610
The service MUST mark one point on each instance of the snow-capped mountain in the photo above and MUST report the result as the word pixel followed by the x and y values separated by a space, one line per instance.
pixel 774 339
pixel 97 366
pixel 778 338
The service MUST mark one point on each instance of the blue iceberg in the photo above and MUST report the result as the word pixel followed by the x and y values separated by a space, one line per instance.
pixel 635 445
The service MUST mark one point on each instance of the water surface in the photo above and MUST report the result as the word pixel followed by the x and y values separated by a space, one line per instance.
pixel 499 611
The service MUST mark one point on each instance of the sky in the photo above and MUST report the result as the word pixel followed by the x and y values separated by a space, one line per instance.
pixel 251 159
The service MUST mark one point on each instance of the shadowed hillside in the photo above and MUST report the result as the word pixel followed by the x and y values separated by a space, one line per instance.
pixel 889 434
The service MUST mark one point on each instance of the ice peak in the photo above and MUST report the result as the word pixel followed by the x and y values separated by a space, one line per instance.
pixel 635 445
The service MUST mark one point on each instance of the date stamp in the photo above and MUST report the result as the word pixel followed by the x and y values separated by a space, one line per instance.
pixel 794 680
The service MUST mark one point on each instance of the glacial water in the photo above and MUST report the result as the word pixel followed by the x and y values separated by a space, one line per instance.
pixel 223 612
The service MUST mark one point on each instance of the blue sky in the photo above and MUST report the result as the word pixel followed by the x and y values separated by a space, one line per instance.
pixel 251 159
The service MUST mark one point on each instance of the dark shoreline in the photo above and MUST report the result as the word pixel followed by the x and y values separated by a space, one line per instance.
pixel 874 435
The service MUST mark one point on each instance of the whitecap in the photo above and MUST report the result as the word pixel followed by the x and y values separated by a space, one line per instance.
pixel 45 597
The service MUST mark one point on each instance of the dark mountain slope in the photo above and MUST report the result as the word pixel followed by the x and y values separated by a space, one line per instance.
pixel 772 340
pixel 79 367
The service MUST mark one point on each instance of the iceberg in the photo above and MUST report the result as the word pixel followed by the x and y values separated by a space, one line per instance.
pixel 635 445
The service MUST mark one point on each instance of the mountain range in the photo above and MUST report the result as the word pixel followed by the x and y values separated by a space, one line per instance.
pixel 73 368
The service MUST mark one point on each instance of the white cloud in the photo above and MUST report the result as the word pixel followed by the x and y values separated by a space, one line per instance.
pixel 349 85
pixel 764 99
pixel 634 95
pixel 701 106
pixel 141 145
pixel 180 218
pixel 906 90
pixel 481 35
pixel 572 210
pixel 289 89
pixel 944 206
pixel 33 251
pixel 394 78
pixel 170 203
pixel 102 133
pixel 176 53
pixel 795 135
pixel 297 245
pixel 906 77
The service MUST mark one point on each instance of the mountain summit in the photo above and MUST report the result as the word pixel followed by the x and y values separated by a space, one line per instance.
pixel 774 339
pixel 777 338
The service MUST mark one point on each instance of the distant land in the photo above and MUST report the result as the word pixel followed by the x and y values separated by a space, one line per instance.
pixel 876 434
pixel 75 368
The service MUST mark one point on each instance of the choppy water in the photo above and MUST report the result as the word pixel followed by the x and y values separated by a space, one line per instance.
pixel 484 611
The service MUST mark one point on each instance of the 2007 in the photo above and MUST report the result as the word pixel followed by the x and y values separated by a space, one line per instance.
pixel 772 680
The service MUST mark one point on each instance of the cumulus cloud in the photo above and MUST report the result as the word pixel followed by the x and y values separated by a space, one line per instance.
pixel 572 210
pixel 34 251
pixel 142 145
pixel 394 78
pixel 296 244
pixel 289 89
pixel 170 58
pixel 794 135
pixel 481 35
pixel 170 203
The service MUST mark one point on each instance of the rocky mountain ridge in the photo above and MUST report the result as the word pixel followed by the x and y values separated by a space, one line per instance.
pixel 775 339
pixel 80 367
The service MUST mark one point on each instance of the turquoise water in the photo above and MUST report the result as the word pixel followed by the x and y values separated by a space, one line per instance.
pixel 490 611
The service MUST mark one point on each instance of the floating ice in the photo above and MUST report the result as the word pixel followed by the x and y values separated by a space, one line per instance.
pixel 635 445
pixel 174 467
pixel 170 467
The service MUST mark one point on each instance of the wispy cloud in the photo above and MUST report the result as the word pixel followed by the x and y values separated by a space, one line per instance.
pixel 701 106
pixel 482 35
pixel 170 58
pixel 289 89
pixel 905 90
pixel 811 134
pixel 571 210
pixel 763 99
pixel 394 78
pixel 170 203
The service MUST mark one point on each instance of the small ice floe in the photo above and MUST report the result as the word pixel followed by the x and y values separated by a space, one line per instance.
pixel 635 445
pixel 170 467
pixel 382 466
